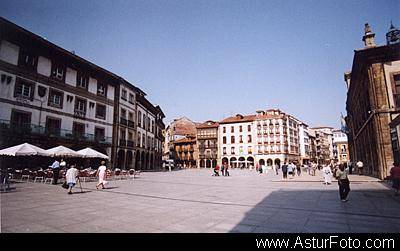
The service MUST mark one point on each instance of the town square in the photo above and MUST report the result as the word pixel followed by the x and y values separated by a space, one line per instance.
pixel 200 116
pixel 194 201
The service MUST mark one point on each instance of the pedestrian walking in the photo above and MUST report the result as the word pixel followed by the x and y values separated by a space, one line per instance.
pixel 70 176
pixel 285 170
pixel 216 170
pixel 56 171
pixel 313 168
pixel 395 176
pixel 298 167
pixel 102 174
pixel 351 167
pixel 360 167
pixel 276 169
pixel 327 173
pixel 343 182
pixel 290 169
pixel 226 169
pixel 223 170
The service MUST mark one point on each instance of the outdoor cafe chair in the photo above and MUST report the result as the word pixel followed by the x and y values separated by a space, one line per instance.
pixel 61 174
pixel 25 174
pixel 131 173
pixel 124 174
pixel 110 175
pixel 84 175
pixel 40 176
pixel 92 175
pixel 117 174
pixel 49 177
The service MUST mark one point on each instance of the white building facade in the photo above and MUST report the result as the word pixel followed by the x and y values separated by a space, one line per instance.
pixel 51 96
pixel 236 141
pixel 267 138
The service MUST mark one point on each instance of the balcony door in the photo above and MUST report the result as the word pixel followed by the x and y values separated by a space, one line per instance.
pixel 20 119
pixel 53 126
pixel 78 130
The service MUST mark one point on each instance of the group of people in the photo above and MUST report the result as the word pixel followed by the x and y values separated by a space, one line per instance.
pixel 290 168
pixel 72 174
pixel 224 170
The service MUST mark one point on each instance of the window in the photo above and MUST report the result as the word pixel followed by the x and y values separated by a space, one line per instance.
pixel 224 150
pixel 55 99
pixel 232 129
pixel 123 94
pixel 27 60
pixel 53 126
pixel 24 89
pixel 101 89
pixel 232 150
pixel 224 129
pixel 232 139
pixel 144 121
pixel 130 116
pixel 80 107
pixel 58 71
pixel 131 98
pixel 249 128
pixel 82 81
pixel 249 150
pixel 240 139
pixel 240 129
pixel 248 138
pixel 99 134
pixel 138 139
pixel 123 113
pixel 139 119
pixel 143 141
pixel 122 135
pixel 396 89
pixel 78 129
pixel 224 140
pixel 20 119
pixel 100 111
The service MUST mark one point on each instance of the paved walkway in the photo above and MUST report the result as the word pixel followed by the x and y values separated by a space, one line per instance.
pixel 194 201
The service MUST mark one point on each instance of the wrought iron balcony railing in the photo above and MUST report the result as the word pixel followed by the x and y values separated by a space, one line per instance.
pixel 9 128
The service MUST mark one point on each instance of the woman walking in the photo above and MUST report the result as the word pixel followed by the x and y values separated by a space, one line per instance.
pixel 343 182
pixel 326 171
pixel 70 177
pixel 101 173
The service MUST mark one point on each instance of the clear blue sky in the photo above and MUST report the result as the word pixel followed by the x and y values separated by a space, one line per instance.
pixel 212 59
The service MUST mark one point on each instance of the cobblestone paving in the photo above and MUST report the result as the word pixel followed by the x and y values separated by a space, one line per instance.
pixel 194 201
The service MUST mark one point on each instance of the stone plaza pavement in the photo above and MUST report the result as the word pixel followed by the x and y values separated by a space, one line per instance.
pixel 194 201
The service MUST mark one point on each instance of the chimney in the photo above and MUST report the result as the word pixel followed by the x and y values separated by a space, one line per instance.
pixel 369 37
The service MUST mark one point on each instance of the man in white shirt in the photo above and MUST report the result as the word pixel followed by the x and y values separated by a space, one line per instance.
pixel 360 167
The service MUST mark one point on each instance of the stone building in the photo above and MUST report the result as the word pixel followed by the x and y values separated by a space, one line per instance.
pixel 373 103
pixel 268 138
pixel 207 143
pixel 50 96
pixel 178 129
pixel 340 147
pixel 186 152
pixel 323 144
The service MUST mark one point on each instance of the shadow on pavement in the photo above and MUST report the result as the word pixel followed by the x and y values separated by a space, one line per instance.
pixel 320 210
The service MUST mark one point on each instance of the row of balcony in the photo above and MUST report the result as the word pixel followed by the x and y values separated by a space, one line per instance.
pixel 127 123
pixel 26 129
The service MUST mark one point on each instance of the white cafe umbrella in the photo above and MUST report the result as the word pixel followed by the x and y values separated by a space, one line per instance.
pixel 62 151
pixel 90 153
pixel 24 150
